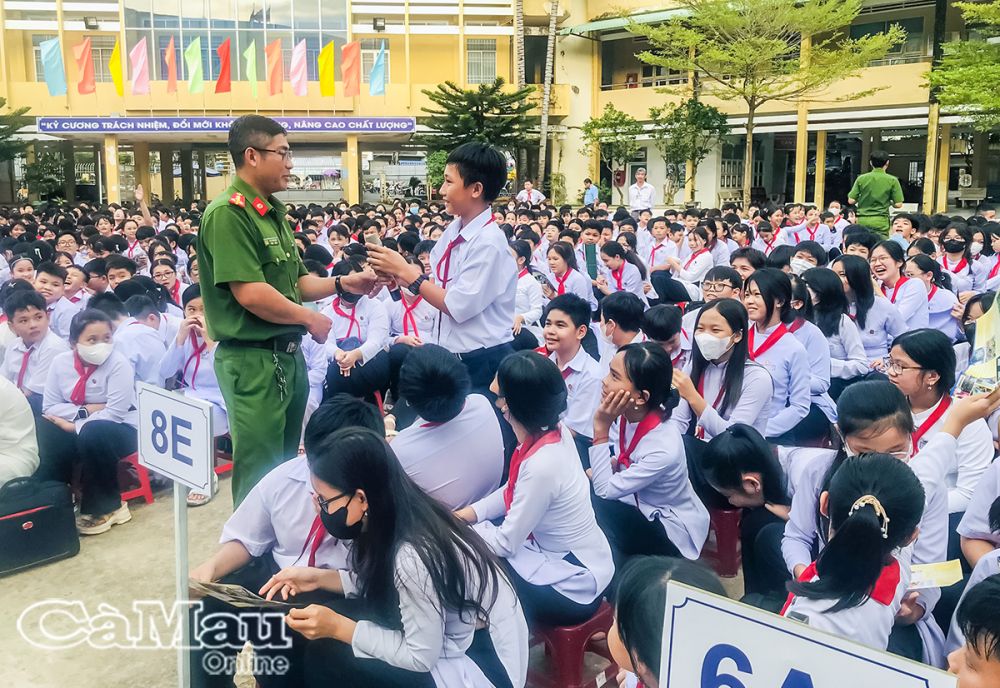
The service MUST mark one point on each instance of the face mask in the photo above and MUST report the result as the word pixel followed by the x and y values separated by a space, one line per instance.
pixel 94 354
pixel 975 248
pixel 954 246
pixel 712 347
pixel 800 265
pixel 336 523
pixel 603 336
pixel 834 210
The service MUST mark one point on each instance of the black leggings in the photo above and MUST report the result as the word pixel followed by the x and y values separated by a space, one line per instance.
pixel 630 533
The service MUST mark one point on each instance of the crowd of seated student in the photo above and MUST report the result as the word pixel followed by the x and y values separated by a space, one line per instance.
pixel 781 360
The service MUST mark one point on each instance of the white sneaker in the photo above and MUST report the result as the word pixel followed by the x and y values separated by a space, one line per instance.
pixel 95 525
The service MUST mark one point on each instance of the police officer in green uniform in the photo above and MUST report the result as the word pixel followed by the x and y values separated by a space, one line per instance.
pixel 253 284
pixel 874 192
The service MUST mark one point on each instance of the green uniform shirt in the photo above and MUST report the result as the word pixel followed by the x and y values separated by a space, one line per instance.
pixel 875 191
pixel 246 238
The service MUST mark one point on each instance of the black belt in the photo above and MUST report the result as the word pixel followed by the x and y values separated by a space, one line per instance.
pixel 286 344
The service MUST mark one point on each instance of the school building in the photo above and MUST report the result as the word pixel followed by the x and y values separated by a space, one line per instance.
pixel 173 140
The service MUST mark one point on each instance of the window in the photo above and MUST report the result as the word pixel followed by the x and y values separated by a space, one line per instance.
pixel 481 60
pixel 101 48
pixel 915 43
pixel 369 49
pixel 36 41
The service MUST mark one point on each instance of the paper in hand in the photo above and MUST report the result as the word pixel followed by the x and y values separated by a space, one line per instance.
pixel 237 596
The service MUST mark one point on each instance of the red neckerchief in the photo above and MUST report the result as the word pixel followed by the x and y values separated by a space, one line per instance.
pixel 652 254
pixel 79 394
pixel 313 540
pixel 195 356
pixel 699 431
pixel 648 422
pixel 797 325
pixel 131 248
pixel 444 265
pixel 175 292
pixel 351 316
pixel 410 320
pixel 619 275
pixel 884 591
pixel 895 290
pixel 24 367
pixel 561 289
pixel 932 292
pixel 995 269
pixel 931 420
pixel 771 340
pixel 769 245
pixel 962 264
pixel 523 452
pixel 523 272
pixel 693 256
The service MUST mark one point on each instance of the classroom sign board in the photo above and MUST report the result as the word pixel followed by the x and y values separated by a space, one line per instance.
pixel 714 642
pixel 175 436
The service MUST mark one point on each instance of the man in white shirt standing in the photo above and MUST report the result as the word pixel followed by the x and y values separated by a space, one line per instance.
pixel 640 194
pixel 530 194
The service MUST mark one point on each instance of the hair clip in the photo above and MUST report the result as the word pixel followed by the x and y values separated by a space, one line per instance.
pixel 872 501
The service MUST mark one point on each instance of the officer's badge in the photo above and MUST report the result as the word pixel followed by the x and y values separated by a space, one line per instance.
pixel 260 206
pixel 238 199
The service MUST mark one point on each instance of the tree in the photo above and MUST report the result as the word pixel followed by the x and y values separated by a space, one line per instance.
pixel 435 171
pixel 760 51
pixel 45 176
pixel 10 123
pixel 519 75
pixel 615 136
pixel 550 50
pixel 683 132
pixel 966 77
pixel 488 113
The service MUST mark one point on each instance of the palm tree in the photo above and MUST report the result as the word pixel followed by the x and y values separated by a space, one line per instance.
pixel 550 50
pixel 519 78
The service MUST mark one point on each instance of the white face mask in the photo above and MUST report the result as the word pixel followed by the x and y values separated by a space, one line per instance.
pixel 712 348
pixel 975 248
pixel 603 336
pixel 800 265
pixel 94 354
pixel 835 210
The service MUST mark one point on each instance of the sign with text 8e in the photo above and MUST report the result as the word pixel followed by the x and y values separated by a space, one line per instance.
pixel 714 642
pixel 175 436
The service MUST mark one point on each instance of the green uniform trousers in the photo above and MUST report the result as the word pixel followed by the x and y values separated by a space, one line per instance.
pixel 264 422
pixel 879 224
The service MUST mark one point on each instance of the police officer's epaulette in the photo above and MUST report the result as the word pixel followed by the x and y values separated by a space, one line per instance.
pixel 238 199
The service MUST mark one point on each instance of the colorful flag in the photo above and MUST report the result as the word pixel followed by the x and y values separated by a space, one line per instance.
pixel 195 70
pixel 299 73
pixel 224 84
pixel 250 55
pixel 115 67
pixel 327 74
pixel 376 80
pixel 275 67
pixel 350 68
pixel 52 66
pixel 83 54
pixel 139 66
pixel 170 59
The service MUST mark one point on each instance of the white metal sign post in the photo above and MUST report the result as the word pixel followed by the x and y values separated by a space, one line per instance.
pixel 176 441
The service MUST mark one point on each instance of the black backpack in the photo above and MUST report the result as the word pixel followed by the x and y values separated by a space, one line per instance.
pixel 37 524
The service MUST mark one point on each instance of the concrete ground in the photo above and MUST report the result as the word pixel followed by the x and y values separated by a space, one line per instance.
pixel 134 561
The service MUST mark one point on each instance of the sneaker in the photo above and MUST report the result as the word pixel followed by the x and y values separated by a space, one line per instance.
pixel 95 525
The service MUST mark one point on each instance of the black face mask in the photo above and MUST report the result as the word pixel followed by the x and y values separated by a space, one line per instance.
pixel 336 523
pixel 970 333
pixel 954 246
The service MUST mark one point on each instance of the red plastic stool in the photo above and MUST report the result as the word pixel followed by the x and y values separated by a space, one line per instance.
pixel 144 490
pixel 725 523
pixel 565 647
pixel 224 456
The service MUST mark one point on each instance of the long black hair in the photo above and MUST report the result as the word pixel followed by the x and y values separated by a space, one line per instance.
pixel 924 263
pixel 613 249
pixel 400 513
pixel 735 315
pixel 931 350
pixel 566 252
pixel 863 540
pixel 831 301
pixel 533 389
pixel 741 449
pixel 859 277
pixel 649 369
pixel 774 287
pixel 522 249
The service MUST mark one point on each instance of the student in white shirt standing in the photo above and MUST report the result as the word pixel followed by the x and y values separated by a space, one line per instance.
pixel 560 559
pixel 640 194
pixel 475 277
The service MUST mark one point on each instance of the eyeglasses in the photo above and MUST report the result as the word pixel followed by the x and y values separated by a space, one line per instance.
pixel 163 275
pixel 894 367
pixel 715 287
pixel 285 154
pixel 322 503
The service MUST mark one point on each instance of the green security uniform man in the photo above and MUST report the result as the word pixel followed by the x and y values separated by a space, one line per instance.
pixel 253 284
pixel 874 192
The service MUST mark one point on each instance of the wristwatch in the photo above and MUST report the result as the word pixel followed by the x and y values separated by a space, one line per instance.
pixel 82 413
pixel 414 286
pixel 338 285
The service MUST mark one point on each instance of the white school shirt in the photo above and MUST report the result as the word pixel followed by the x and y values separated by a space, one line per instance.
pixel 607 349
pixel 766 248
pixel 529 302
pixel 818 353
pixel 550 516
pixel 788 365
pixel 975 524
pixel 481 289
pixel 939 305
pixel 752 408
pixel 113 383
pixel 656 483
pixel 656 254
pixel 988 565
pixel 37 372
pixel 169 326
pixel 965 275
pixel 199 378
pixel 583 386
pixel 883 323
pixel 424 316
pixel 640 197
pixel 370 325
pixel 18 444
pixel 967 465
pixel 457 462
pixel 143 347
pixel 694 268
pixel 720 253
pixel 61 314
pixel 435 639
pixel 643 240
pixel 576 283
pixel 821 234
pixel 847 352
pixel 80 298
pixel 910 298
pixel 316 367
pixel 631 279
pixel 533 197
pixel 276 516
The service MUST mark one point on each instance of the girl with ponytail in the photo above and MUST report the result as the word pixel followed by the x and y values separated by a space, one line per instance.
pixel 940 299
pixel 622 271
